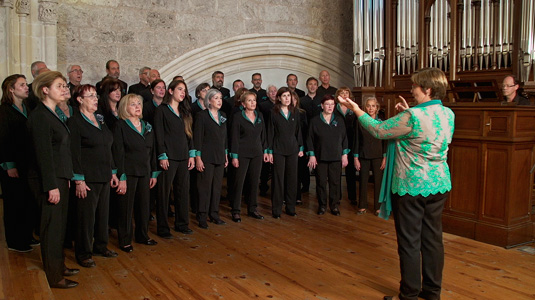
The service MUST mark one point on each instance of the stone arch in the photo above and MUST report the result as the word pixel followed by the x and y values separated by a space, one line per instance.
pixel 253 52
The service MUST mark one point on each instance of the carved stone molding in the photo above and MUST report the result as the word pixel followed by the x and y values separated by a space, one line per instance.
pixel 23 7
pixel 48 12
pixel 6 3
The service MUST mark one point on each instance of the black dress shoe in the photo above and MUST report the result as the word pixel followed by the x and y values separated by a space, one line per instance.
pixel 127 249
pixel 335 212
pixel 66 284
pixel 203 225
pixel 217 221
pixel 106 253
pixel 166 235
pixel 70 272
pixel 185 230
pixel 149 242
pixel 256 215
pixel 151 217
pixel 171 214
pixel 321 211
pixel 236 218
pixel 293 214
pixel 34 242
pixel 87 263
pixel 276 216
pixel 298 202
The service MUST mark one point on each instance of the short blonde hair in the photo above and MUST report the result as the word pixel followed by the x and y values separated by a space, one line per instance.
pixel 125 101
pixel 45 80
pixel 372 99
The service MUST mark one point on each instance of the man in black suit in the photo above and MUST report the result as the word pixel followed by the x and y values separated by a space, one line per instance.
pixel 142 88
pixel 75 73
pixel 37 67
pixel 325 88
pixel 218 78
pixel 291 82
pixel 113 70
pixel 261 94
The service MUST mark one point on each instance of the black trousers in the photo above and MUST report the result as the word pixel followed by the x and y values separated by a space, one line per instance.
pixel 418 222
pixel 177 178
pixel 351 181
pixel 363 181
pixel 136 202
pixel 303 175
pixel 209 183
pixel 328 171
pixel 250 168
pixel 92 215
pixel 193 193
pixel 284 182
pixel 52 228
pixel 267 170
pixel 19 210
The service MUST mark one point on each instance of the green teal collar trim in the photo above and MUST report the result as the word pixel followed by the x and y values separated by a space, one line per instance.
pixel 199 104
pixel 89 121
pixel 246 118
pixel 171 109
pixel 134 127
pixel 219 116
pixel 154 102
pixel 430 102
pixel 286 117
pixel 339 109
pixel 24 111
pixel 324 121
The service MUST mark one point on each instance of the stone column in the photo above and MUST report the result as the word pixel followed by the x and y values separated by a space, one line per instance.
pixel 49 17
pixel 5 37
pixel 23 11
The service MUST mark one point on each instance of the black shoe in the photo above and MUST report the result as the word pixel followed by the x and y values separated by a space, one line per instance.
pixel 70 272
pixel 171 214
pixel 236 218
pixel 151 217
pixel 292 214
pixel 203 225
pixel 22 249
pixel 256 215
pixel 87 263
pixel 276 216
pixel 217 221
pixel 185 230
pixel 35 242
pixel 67 284
pixel 149 242
pixel 166 235
pixel 127 249
pixel 106 253
pixel 353 202
pixel 299 202
pixel 335 212
pixel 321 211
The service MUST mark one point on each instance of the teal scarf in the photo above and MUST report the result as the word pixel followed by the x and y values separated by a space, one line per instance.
pixel 385 197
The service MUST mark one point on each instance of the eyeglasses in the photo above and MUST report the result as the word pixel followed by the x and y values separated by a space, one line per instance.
pixel 77 71
pixel 508 85
pixel 91 96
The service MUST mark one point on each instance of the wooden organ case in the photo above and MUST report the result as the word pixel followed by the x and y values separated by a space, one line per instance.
pixel 476 43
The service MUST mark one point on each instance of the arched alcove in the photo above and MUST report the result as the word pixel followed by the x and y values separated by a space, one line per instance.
pixel 274 55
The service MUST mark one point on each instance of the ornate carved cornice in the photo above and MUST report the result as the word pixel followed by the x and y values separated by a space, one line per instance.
pixel 48 12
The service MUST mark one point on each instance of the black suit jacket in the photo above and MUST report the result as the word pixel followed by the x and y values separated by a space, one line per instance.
pixel 91 149
pixel 247 137
pixel 52 148
pixel 284 135
pixel 171 137
pixel 366 146
pixel 13 137
pixel 210 138
pixel 132 151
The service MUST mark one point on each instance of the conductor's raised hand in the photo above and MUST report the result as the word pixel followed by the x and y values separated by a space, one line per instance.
pixel 401 106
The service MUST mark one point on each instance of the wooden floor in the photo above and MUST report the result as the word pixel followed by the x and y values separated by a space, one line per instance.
pixel 305 257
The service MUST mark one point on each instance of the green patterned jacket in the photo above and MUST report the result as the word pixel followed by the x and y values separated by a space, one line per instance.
pixel 423 134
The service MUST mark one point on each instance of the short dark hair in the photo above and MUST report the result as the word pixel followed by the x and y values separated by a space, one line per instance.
pixel 254 74
pixel 312 78
pixel 288 76
pixel 217 72
pixel 109 62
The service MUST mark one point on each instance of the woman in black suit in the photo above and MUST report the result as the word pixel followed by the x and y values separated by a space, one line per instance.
pixel 303 173
pixel 133 143
pixel 248 150
pixel 210 138
pixel 174 146
pixel 369 152
pixel 327 152
pixel 285 146
pixel 109 101
pixel 19 205
pixel 50 174
pixel 91 142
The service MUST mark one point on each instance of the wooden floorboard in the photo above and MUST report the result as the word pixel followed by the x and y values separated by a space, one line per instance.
pixel 305 257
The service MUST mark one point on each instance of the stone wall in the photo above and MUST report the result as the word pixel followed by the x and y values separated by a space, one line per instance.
pixel 157 32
